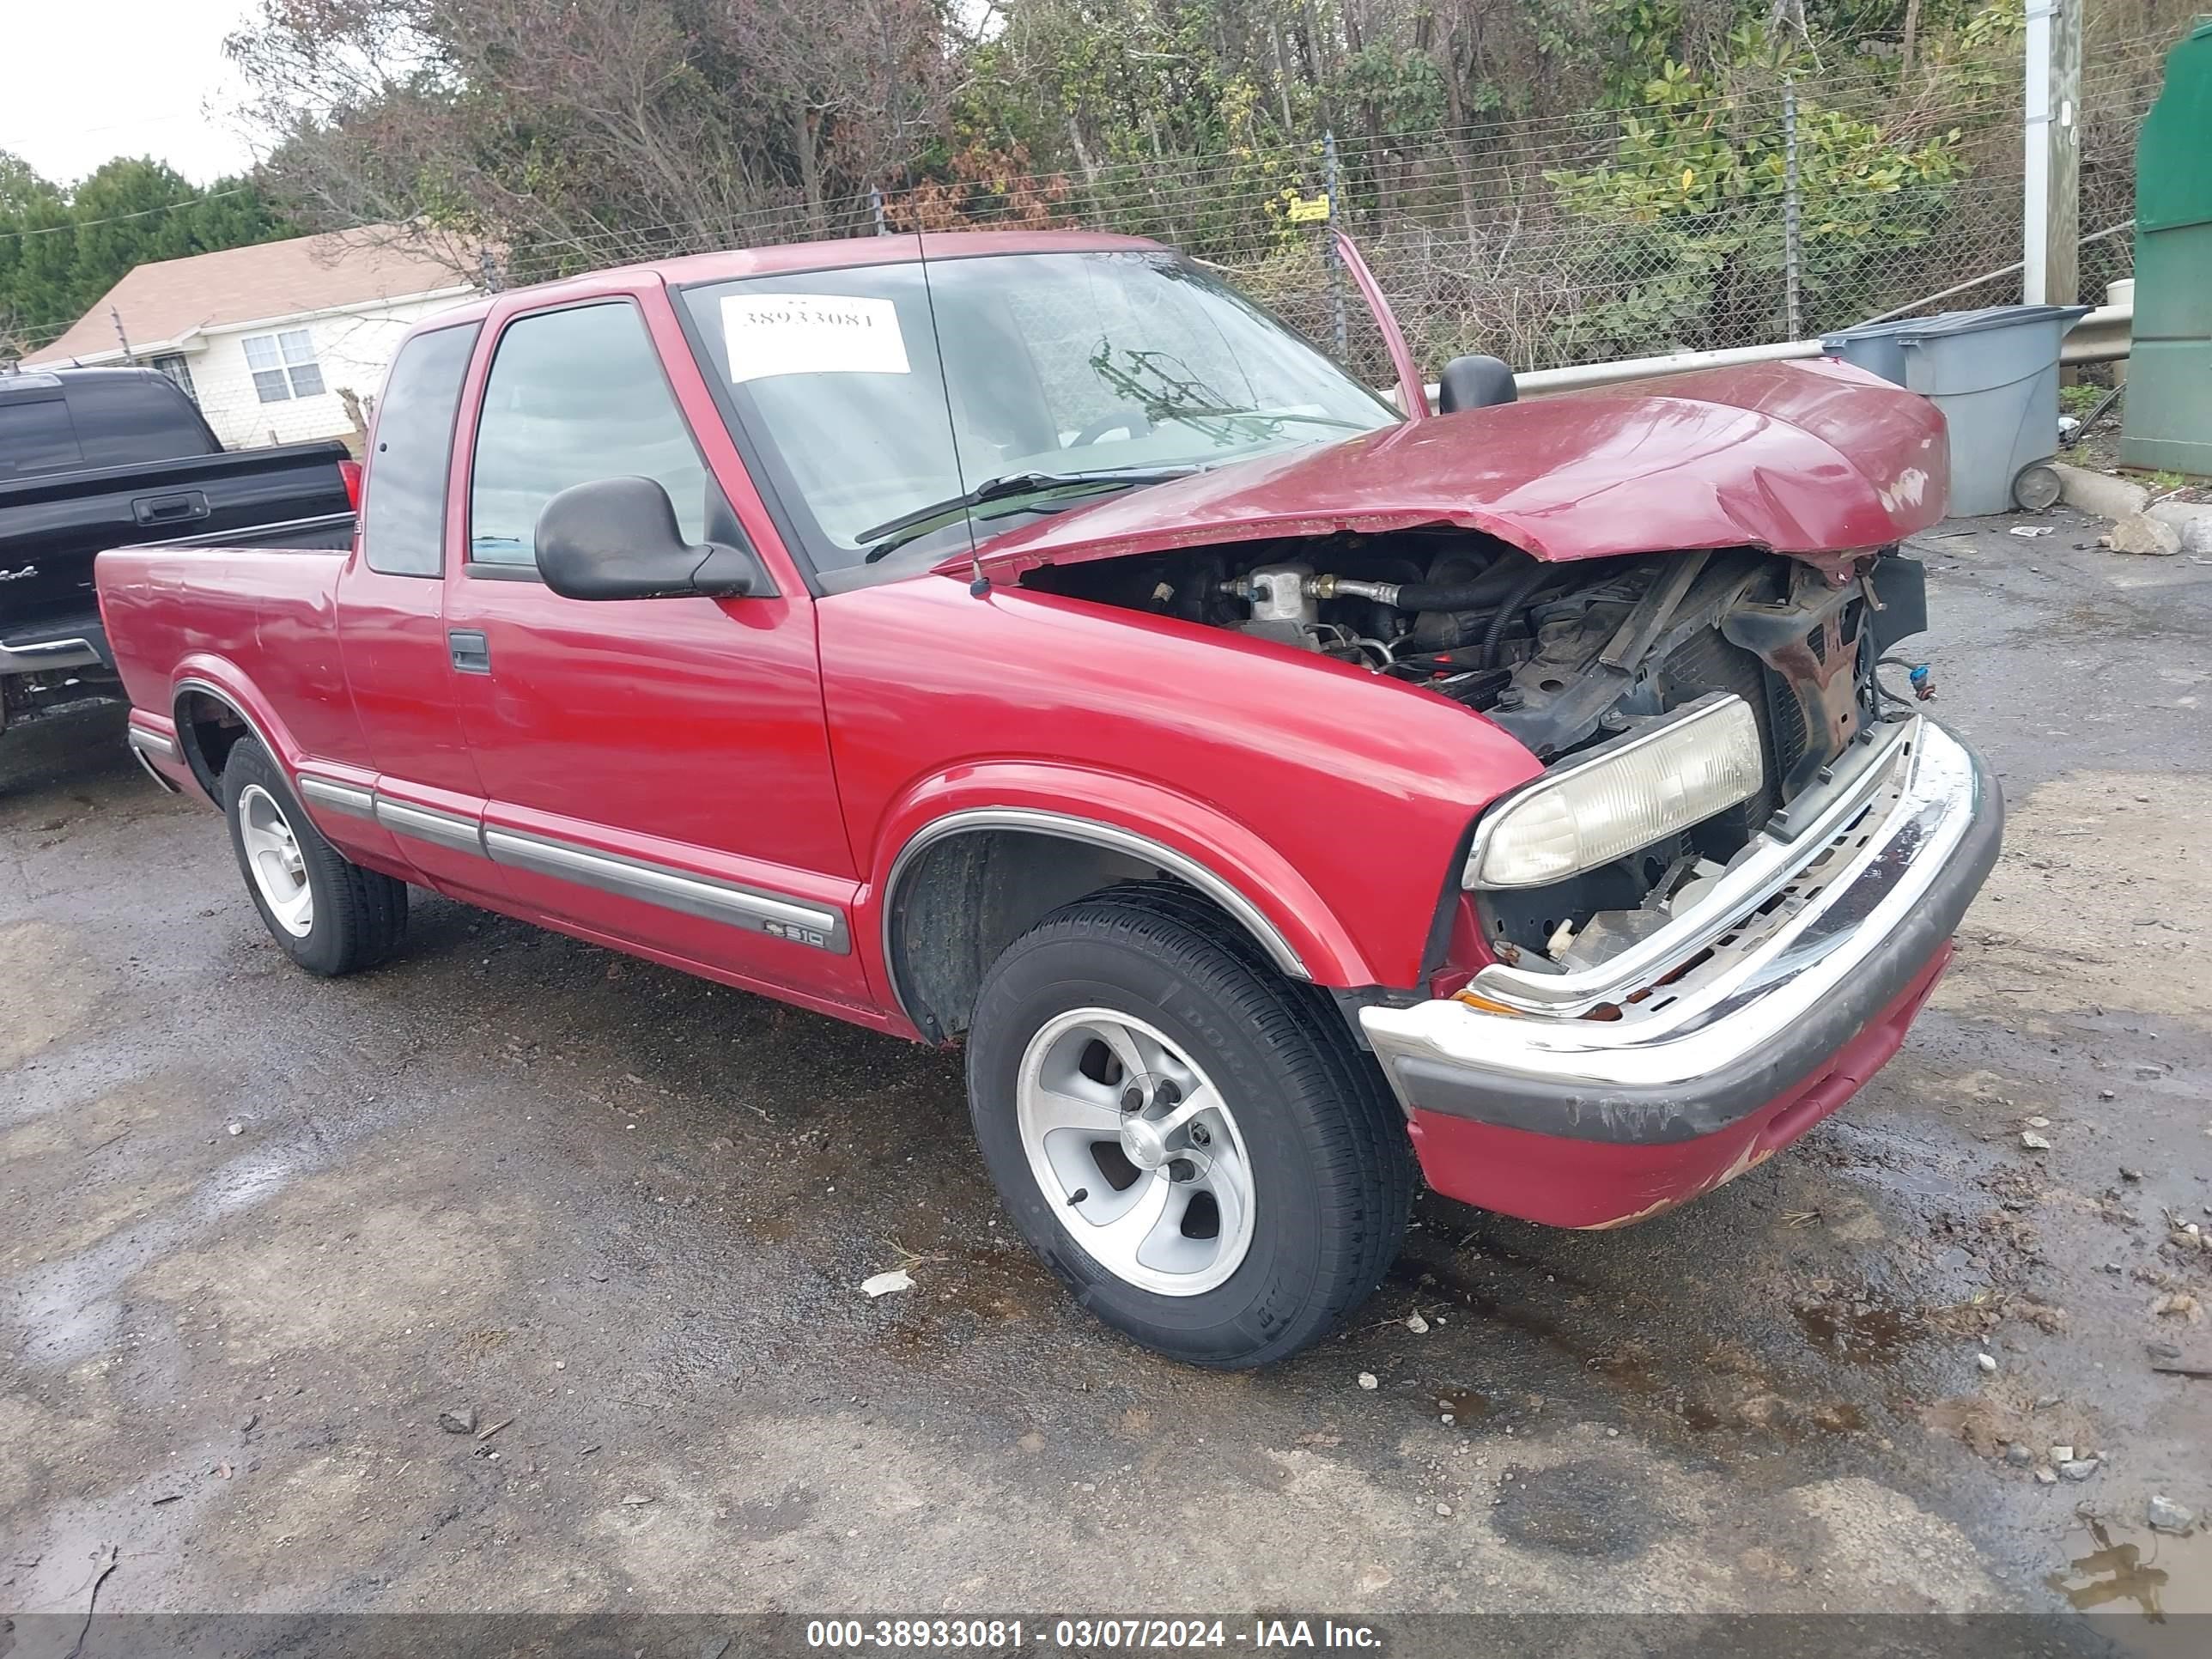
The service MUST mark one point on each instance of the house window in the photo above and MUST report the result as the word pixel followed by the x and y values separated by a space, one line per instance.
pixel 179 371
pixel 284 365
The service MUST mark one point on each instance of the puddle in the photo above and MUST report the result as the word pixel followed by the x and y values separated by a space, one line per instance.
pixel 70 1310
pixel 1461 1405
pixel 1859 1335
pixel 2150 1579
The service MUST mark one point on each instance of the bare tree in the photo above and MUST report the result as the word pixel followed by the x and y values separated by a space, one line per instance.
pixel 578 132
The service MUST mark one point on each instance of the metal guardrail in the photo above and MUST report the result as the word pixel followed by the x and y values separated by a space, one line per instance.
pixel 2101 336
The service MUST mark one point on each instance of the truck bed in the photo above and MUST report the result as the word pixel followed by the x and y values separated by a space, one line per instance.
pixel 50 526
pixel 166 605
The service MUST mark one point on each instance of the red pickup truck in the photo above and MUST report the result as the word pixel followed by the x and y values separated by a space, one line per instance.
pixel 1024 638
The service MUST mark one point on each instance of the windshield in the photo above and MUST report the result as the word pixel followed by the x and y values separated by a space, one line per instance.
pixel 1056 366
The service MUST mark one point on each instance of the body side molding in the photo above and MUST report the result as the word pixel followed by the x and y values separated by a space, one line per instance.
pixel 346 797
pixel 671 889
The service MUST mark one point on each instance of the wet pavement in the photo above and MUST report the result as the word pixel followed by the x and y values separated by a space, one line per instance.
pixel 257 1232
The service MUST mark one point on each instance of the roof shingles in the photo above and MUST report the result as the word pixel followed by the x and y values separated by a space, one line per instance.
pixel 162 302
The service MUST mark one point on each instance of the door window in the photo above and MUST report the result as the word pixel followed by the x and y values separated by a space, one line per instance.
pixel 576 396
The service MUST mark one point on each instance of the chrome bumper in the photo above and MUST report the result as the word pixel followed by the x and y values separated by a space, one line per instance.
pixel 45 656
pixel 1777 965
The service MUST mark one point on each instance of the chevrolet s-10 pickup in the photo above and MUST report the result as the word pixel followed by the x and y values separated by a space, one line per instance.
pixel 1024 640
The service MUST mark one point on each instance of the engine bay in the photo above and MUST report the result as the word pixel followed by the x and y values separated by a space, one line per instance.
pixel 1565 656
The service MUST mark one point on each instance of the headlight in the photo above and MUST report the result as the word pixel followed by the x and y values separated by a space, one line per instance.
pixel 1679 771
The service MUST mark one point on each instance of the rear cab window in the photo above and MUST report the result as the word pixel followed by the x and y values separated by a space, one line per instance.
pixel 403 528
pixel 36 433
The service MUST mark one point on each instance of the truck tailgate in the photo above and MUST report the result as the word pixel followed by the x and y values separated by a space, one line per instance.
pixel 50 526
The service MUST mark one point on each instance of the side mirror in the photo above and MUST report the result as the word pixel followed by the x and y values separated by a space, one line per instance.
pixel 617 538
pixel 1474 383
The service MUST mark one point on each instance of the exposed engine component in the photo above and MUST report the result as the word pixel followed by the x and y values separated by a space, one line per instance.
pixel 1566 655
pixel 1284 604
pixel 1561 655
pixel 1284 601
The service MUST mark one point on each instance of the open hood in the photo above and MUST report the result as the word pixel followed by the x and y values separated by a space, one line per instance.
pixel 1814 459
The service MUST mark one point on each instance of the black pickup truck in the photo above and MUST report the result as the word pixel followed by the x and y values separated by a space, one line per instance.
pixel 99 457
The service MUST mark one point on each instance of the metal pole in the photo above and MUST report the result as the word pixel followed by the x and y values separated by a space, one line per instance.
pixel 1792 251
pixel 129 356
pixel 1335 261
pixel 2035 159
pixel 2062 258
pixel 876 207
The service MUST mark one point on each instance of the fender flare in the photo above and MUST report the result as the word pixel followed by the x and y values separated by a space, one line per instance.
pixel 215 679
pixel 1068 827
pixel 1255 886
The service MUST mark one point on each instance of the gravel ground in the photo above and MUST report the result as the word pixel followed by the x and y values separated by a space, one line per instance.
pixel 257 1232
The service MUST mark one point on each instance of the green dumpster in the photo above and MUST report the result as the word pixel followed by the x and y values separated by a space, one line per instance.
pixel 2168 425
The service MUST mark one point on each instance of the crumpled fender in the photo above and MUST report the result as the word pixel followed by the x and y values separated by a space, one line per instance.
pixel 1815 459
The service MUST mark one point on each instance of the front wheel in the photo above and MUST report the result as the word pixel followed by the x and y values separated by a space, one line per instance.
pixel 331 916
pixel 1191 1141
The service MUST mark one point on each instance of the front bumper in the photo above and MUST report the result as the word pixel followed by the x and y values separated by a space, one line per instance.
pixel 1737 1008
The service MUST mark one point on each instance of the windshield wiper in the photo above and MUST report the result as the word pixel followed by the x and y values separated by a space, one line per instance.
pixel 1195 411
pixel 909 526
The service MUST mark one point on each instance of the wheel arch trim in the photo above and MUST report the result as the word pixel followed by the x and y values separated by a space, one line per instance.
pixel 196 685
pixel 1069 827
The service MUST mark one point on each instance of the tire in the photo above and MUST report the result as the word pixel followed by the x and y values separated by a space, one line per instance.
pixel 331 916
pixel 1305 1122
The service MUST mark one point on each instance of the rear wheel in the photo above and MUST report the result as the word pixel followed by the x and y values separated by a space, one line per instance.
pixel 331 916
pixel 1190 1141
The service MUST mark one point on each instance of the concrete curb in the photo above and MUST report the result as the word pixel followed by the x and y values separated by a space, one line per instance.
pixel 2099 492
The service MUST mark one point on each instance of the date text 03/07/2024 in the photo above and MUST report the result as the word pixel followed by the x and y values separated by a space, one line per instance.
pixel 1085 1635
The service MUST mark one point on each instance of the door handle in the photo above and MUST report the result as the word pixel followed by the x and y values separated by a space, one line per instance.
pixel 169 509
pixel 472 651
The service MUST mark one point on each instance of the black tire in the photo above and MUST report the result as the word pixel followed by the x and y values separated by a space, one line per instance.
pixel 359 916
pixel 1331 1164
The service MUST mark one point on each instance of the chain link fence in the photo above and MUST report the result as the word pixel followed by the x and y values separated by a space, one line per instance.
pixel 1549 242
pixel 1574 239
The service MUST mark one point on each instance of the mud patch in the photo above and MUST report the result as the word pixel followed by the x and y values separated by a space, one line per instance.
pixel 1592 1511
pixel 43 1444
pixel 85 1221
pixel 324 1269
pixel 2099 897
pixel 771 1517
pixel 48 990
pixel 1858 1333
pixel 74 1174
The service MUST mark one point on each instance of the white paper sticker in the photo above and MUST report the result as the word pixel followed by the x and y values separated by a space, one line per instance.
pixel 767 334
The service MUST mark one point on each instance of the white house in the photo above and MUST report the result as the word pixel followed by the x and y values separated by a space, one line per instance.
pixel 276 342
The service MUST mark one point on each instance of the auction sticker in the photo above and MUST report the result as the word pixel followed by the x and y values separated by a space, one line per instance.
pixel 767 334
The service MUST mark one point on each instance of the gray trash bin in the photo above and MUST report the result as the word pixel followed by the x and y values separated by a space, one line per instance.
pixel 1994 373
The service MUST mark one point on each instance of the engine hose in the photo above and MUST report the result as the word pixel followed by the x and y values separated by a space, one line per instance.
pixel 1406 596
pixel 1521 594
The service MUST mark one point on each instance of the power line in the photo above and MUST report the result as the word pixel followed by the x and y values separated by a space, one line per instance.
pixel 119 218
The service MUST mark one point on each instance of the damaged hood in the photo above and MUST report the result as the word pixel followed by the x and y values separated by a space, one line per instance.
pixel 1815 459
